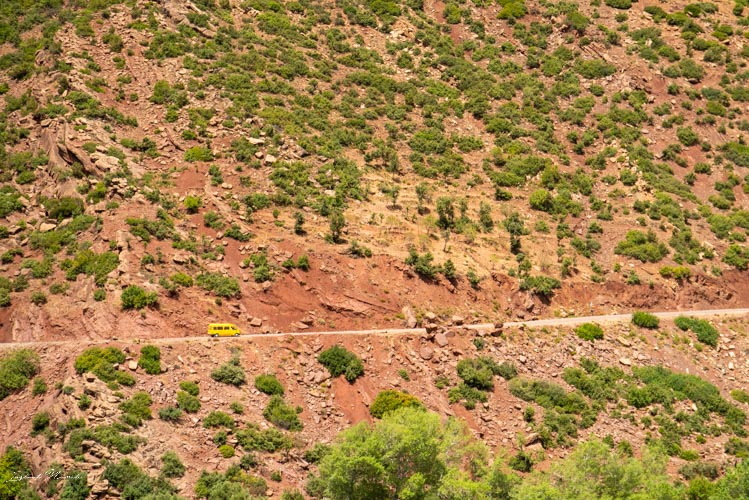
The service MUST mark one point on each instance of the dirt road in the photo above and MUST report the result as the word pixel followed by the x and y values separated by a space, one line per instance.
pixel 573 321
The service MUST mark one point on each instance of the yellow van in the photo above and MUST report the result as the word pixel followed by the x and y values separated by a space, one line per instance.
pixel 223 330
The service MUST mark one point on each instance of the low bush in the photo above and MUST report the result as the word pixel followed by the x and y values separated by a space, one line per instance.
pixel 466 394
pixel 740 395
pixel 589 331
pixel 101 363
pixel 737 447
pixel 170 414
pixel 226 450
pixel 138 407
pixel 540 285
pixel 269 385
pixel 679 273
pixel 39 423
pixel 150 359
pixel 644 247
pixel 218 419
pixel 190 387
pixel 134 297
pixel 268 440
pixel 39 387
pixel 340 361
pixel 187 402
pixel 390 400
pixel 220 285
pixel 171 465
pixel 479 372
pixel 282 415
pixel 708 470
pixel 705 332
pixel 229 373
pixel 16 370
pixel 645 320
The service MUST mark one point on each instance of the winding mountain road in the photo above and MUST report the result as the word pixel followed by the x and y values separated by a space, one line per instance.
pixel 571 321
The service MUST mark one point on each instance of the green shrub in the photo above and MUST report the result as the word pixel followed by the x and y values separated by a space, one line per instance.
pixel 737 447
pixel 192 204
pixel 84 403
pixel 39 387
pixel 76 486
pixel 740 395
pixel 171 465
pixel 521 462
pixel 737 256
pixel 268 384
pixel 707 470
pixel 197 153
pixel 466 394
pixel 38 298
pixel 187 402
pixel 340 361
pixel 642 246
pixel 619 4
pixel 220 285
pixel 171 414
pixel 134 297
pixel 317 453
pixel 705 332
pixel 589 331
pixel 12 465
pixel 282 415
pixel 218 419
pixel 422 264
pixel 138 406
pixel 64 208
pixel 645 320
pixel 150 359
pixel 479 372
pixel 226 450
pixel 390 400
pixel 540 285
pixel 229 373
pixel 190 387
pixel 16 370
pixel 39 423
pixel 679 273
pixel 269 440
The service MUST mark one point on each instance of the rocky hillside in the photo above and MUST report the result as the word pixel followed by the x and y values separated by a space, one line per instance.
pixel 303 166
pixel 91 418
pixel 316 165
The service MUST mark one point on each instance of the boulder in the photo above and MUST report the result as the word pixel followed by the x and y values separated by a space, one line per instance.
pixel 426 353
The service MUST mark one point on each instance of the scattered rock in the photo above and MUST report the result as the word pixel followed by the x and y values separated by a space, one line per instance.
pixel 624 342
pixel 426 353
pixel 46 226
pixel 440 339
pixel 409 316
pixel 531 438
pixel 133 365
pixel 625 361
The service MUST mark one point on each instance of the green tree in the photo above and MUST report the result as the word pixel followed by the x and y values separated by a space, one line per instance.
pixel 410 453
pixel 337 223
pixel 423 193
pixel 516 227
pixel 445 213
pixel 594 470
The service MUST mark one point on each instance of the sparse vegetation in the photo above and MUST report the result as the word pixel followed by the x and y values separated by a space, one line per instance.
pixel 340 361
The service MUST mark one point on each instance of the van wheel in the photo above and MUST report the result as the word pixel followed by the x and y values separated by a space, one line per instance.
pixel 236 335
pixel 214 335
